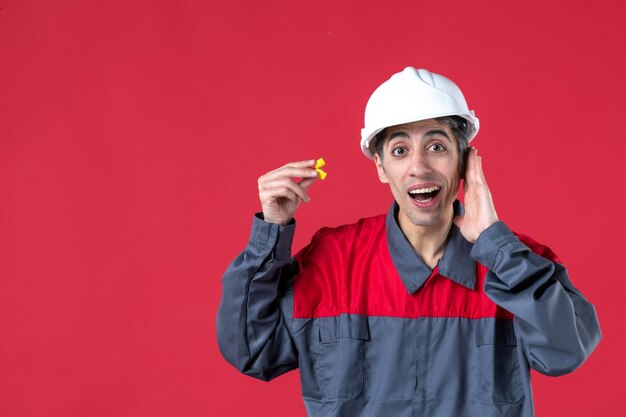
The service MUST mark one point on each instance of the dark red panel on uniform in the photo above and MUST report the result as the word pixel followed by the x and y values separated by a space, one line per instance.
pixel 349 270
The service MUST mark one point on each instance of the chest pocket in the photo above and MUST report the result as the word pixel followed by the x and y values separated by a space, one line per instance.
pixel 343 341
pixel 499 380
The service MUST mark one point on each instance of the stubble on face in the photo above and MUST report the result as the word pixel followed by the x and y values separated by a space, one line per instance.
pixel 440 169
pixel 426 219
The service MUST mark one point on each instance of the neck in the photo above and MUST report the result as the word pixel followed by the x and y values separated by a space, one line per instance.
pixel 428 242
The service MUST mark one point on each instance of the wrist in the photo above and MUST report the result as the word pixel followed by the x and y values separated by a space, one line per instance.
pixel 274 220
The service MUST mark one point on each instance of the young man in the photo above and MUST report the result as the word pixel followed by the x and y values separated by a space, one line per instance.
pixel 436 309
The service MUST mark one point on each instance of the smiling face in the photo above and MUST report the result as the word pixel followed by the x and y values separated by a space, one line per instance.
pixel 421 166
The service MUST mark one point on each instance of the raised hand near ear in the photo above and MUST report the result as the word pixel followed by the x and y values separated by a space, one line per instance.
pixel 480 212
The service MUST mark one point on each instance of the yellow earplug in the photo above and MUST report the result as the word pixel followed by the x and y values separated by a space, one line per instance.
pixel 318 167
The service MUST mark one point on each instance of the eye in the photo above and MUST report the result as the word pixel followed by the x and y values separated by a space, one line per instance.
pixel 437 147
pixel 399 151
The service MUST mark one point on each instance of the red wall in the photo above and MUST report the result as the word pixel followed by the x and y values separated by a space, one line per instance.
pixel 132 134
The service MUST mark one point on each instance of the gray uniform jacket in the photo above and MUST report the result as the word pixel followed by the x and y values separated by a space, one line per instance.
pixel 377 333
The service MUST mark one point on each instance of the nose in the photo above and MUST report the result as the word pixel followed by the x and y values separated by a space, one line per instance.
pixel 420 165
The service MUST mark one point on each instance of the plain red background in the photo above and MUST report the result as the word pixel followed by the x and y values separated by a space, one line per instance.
pixel 132 134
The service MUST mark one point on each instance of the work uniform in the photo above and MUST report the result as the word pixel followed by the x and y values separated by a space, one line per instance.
pixel 375 332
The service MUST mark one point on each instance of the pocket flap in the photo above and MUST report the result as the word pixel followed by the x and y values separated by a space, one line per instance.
pixel 352 326
pixel 495 332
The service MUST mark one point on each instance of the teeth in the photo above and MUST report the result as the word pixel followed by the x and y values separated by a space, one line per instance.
pixel 424 190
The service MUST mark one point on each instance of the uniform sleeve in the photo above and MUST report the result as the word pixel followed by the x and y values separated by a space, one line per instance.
pixel 254 314
pixel 557 327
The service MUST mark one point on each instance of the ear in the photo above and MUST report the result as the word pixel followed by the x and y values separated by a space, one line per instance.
pixel 463 164
pixel 382 176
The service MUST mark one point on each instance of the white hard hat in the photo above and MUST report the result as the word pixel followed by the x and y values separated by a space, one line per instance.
pixel 410 96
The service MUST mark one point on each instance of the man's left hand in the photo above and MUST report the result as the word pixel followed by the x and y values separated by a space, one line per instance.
pixel 480 212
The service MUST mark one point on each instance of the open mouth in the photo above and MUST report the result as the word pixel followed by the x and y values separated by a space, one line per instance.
pixel 424 195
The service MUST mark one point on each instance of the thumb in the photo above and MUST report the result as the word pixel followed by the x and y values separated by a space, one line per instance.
pixel 306 183
pixel 458 220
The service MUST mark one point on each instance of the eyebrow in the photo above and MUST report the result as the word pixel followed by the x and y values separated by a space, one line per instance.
pixel 398 134
pixel 432 132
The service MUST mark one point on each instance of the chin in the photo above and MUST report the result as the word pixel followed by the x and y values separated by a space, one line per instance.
pixel 424 221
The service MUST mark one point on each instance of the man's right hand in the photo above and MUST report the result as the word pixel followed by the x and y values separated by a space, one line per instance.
pixel 280 195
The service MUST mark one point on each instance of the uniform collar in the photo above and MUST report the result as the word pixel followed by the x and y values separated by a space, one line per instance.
pixel 455 264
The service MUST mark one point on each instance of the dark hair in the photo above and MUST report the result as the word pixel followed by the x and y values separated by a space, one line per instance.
pixel 457 125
